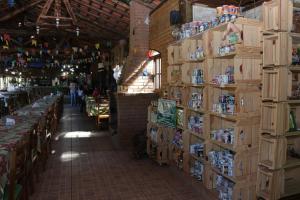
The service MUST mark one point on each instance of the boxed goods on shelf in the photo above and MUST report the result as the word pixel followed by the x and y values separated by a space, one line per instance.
pixel 234 70
pixel 281 15
pixel 280 48
pixel 197 99
pixel 233 165
pixel 230 190
pixel 280 152
pixel 235 101
pixel 239 37
pixel 235 135
pixel 180 118
pixel 176 148
pixel 197 169
pixel 195 123
pixel 194 73
pixel 152 114
pixel 158 135
pixel 276 184
pixel 196 49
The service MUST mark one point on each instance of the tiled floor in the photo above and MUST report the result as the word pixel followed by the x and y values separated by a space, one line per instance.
pixel 86 166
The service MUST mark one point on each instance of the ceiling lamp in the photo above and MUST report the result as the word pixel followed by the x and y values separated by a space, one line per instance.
pixel 77 31
pixel 63 15
pixel 37 30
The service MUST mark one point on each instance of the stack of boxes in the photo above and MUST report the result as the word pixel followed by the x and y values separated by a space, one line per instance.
pixel 279 153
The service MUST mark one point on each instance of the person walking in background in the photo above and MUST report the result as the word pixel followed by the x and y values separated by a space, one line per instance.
pixel 73 93
pixel 80 94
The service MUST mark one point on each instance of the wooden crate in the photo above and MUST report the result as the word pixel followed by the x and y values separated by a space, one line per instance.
pixel 158 153
pixel 152 114
pixel 274 118
pixel 190 46
pixel 162 136
pixel 174 74
pixel 247 99
pixel 187 71
pixel 246 132
pixel 278 152
pixel 278 15
pixel 277 48
pixel 244 189
pixel 249 36
pixel 247 70
pixel 193 93
pixel 276 84
pixel 178 93
pixel 174 54
pixel 276 184
pixel 272 152
pixel 244 165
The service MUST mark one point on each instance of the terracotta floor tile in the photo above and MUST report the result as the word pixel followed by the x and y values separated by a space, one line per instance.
pixel 86 166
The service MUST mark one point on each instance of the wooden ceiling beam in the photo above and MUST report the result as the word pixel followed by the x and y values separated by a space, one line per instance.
pixel 110 7
pixel 101 27
pixel 20 10
pixel 45 10
pixel 123 20
pixel 108 23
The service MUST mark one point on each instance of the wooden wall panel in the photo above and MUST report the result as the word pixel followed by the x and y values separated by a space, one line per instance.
pixel 160 33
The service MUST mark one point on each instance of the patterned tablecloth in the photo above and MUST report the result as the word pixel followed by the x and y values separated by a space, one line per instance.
pixel 94 108
pixel 10 135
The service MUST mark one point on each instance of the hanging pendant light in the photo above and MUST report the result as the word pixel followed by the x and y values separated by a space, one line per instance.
pixel 57 22
pixel 77 31
pixel 37 30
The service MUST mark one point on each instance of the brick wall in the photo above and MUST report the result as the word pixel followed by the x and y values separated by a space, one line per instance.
pixel 132 115
pixel 160 33
pixel 138 38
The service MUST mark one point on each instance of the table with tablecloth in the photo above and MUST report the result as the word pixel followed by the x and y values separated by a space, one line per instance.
pixel 25 120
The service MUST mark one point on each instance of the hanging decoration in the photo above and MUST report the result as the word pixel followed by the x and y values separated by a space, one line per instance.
pixel 97 46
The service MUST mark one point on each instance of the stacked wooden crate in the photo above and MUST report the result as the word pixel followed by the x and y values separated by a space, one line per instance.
pixel 279 153
pixel 234 78
pixel 158 137
pixel 222 63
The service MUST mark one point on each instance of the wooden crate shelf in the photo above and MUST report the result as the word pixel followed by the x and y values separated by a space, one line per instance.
pixel 196 49
pixel 279 152
pixel 197 99
pixel 236 166
pixel 278 48
pixel 281 15
pixel 279 119
pixel 276 184
pixel 224 187
pixel 245 101
pixel 236 70
pixel 188 71
pixel 175 55
pixel 174 74
pixel 236 136
pixel 242 35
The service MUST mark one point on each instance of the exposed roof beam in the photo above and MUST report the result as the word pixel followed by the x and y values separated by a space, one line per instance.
pixel 111 7
pixel 103 23
pixel 126 21
pixel 20 10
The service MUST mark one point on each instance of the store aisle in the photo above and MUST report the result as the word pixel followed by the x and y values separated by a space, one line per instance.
pixel 86 166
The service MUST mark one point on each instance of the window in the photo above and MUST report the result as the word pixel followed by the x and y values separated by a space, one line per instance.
pixel 157 73
pixel 156 63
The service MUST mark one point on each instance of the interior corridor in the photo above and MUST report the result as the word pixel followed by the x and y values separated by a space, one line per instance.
pixel 85 165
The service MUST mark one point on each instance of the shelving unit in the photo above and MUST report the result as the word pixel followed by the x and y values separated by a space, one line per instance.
pixel 279 146
pixel 218 91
